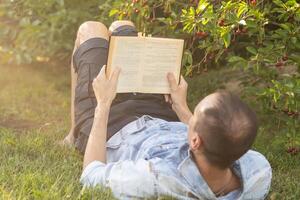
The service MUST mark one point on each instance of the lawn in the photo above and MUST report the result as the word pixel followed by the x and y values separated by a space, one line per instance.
pixel 34 117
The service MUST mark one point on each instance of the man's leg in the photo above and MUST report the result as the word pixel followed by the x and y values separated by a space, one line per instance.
pixel 114 28
pixel 85 32
pixel 69 139
pixel 90 55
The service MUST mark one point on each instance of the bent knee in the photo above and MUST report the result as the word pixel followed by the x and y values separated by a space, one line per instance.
pixel 91 29
pixel 119 23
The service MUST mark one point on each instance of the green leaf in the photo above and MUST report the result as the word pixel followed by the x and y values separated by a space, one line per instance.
pixel 192 11
pixel 187 57
pixel 251 24
pixel 294 40
pixel 113 12
pixel 251 50
pixel 285 26
pixel 226 38
pixel 234 59
pixel 242 9
pixel 279 3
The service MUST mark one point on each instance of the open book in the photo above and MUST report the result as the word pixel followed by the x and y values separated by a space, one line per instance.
pixel 145 62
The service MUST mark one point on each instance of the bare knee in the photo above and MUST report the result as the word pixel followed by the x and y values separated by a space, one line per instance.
pixel 91 29
pixel 119 23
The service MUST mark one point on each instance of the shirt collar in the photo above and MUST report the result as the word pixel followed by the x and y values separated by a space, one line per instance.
pixel 190 172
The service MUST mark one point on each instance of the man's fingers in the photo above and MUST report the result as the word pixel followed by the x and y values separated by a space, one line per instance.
pixel 167 97
pixel 115 75
pixel 102 72
pixel 182 81
pixel 172 81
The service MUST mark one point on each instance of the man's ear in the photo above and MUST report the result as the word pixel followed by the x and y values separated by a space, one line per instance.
pixel 196 142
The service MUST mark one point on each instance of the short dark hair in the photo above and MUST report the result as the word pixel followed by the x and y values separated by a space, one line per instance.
pixel 228 129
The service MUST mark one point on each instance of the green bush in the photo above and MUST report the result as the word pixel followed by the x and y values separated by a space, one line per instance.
pixel 33 30
pixel 250 33
pixel 262 37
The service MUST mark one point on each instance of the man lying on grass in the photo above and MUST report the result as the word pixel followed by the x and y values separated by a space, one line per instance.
pixel 141 146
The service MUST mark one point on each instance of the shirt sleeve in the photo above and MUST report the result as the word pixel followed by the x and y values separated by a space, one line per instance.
pixel 259 176
pixel 123 178
pixel 94 174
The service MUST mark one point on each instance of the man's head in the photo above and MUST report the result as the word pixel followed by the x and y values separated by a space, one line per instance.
pixel 222 129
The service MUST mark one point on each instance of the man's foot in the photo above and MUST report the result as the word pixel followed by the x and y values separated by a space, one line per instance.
pixel 69 140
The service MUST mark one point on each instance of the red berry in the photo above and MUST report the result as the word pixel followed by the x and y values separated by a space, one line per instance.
pixel 290 113
pixel 279 64
pixel 136 10
pixel 285 57
pixel 195 2
pixel 238 32
pixel 221 22
pixel 293 150
pixel 291 19
pixel 253 2
pixel 211 56
pixel 201 34
pixel 145 3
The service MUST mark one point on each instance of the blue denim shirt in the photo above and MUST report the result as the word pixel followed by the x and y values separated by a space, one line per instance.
pixel 149 158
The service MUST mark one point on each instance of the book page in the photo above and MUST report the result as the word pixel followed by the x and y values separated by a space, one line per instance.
pixel 126 53
pixel 160 57
pixel 145 62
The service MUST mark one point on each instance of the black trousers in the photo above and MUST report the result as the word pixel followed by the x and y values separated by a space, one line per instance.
pixel 88 59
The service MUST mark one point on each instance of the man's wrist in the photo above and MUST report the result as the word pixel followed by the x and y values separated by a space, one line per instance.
pixel 100 116
pixel 181 107
pixel 183 112
pixel 104 105
pixel 102 108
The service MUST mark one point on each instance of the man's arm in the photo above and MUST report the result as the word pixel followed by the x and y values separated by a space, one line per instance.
pixel 105 92
pixel 96 145
pixel 178 98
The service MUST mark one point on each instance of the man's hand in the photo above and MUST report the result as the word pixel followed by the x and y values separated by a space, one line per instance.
pixel 105 88
pixel 178 95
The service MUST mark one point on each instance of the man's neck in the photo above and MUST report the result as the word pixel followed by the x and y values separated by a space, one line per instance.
pixel 217 179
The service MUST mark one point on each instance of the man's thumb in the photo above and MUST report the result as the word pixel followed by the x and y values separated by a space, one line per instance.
pixel 116 73
pixel 172 81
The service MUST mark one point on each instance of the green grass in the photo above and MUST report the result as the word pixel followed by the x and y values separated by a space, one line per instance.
pixel 34 116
